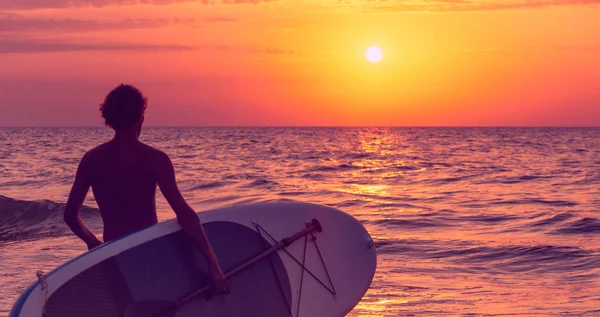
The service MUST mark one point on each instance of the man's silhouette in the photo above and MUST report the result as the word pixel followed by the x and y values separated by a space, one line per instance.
pixel 123 174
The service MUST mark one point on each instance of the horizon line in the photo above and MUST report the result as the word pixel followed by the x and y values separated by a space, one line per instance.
pixel 316 126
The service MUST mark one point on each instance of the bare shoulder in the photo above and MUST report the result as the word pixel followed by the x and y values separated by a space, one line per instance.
pixel 161 163
pixel 155 154
pixel 94 153
pixel 91 159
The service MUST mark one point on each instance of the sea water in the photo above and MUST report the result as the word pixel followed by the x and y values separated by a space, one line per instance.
pixel 467 221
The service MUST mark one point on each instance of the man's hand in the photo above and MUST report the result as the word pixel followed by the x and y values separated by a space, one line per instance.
pixel 94 243
pixel 218 277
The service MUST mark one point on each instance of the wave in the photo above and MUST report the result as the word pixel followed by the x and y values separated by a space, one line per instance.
pixel 33 220
pixel 581 226
pixel 339 167
pixel 553 220
pixel 261 182
pixel 488 218
pixel 312 176
pixel 410 223
pixel 209 185
pixel 450 180
pixel 495 259
pixel 558 203
pixel 514 179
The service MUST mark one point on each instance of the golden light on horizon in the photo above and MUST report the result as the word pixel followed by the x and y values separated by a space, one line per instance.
pixel 374 54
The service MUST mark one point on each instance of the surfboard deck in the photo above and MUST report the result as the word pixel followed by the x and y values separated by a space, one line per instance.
pixel 320 274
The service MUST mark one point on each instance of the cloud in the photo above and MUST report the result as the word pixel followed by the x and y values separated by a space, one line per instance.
pixel 9 46
pixel 53 4
pixel 21 46
pixel 253 50
pixel 470 5
pixel 368 5
pixel 50 4
pixel 50 25
pixel 17 23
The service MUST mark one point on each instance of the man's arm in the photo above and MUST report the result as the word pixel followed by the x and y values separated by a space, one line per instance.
pixel 187 218
pixel 76 197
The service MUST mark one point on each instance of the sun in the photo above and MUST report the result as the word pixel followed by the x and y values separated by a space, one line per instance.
pixel 374 54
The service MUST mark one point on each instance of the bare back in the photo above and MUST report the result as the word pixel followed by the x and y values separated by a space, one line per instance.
pixel 123 178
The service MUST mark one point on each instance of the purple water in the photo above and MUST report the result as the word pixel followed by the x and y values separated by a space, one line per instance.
pixel 467 221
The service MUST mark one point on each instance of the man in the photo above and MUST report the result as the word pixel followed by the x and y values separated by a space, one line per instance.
pixel 123 174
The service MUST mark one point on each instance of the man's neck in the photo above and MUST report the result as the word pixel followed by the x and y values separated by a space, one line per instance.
pixel 126 135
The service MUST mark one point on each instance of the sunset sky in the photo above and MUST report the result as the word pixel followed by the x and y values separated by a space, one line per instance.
pixel 290 63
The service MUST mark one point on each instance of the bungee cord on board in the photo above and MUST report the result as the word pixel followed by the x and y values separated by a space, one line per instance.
pixel 331 289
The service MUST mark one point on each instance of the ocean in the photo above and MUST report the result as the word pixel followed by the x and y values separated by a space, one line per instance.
pixel 466 221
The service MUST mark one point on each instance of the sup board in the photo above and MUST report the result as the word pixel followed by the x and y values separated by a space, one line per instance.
pixel 281 259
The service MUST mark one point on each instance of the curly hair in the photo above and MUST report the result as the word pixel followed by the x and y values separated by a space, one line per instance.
pixel 123 107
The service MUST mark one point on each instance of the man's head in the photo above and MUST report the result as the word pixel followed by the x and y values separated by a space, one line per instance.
pixel 124 108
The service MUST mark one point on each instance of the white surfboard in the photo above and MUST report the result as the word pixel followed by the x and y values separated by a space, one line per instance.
pixel 282 259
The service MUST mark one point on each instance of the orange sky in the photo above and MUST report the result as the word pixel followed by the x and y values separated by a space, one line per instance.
pixel 446 62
